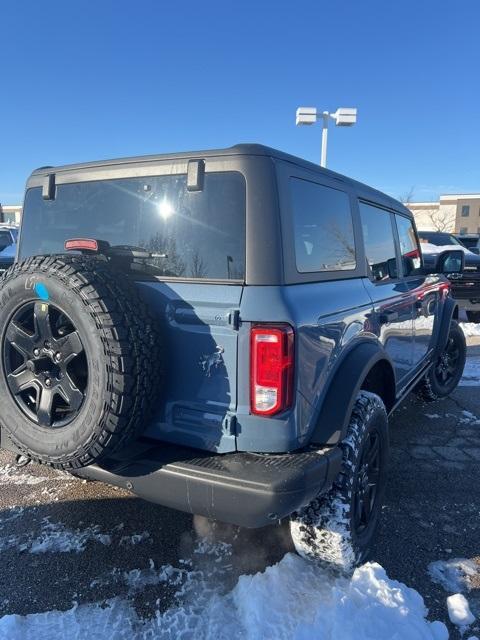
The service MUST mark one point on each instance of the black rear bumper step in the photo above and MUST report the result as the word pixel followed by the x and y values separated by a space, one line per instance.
pixel 247 489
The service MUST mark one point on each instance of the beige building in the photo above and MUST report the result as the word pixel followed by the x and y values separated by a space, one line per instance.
pixel 11 213
pixel 455 213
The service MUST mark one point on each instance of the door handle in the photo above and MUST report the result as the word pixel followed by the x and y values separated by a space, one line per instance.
pixel 388 316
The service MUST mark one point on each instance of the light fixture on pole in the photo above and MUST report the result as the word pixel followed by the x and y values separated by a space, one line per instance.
pixel 344 117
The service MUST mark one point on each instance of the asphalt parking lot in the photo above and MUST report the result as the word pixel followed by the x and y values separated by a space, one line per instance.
pixel 64 541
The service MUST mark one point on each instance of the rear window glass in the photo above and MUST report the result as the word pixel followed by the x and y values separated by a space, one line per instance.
pixel 323 228
pixel 192 234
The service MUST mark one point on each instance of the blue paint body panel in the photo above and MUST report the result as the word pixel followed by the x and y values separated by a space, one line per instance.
pixel 200 392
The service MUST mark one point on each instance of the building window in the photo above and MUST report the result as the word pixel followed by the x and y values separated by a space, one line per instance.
pixel 465 210
pixel 463 231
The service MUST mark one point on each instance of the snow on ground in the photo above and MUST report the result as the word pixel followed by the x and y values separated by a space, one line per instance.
pixel 470 329
pixel 12 475
pixel 459 611
pixel 292 600
pixel 471 373
pixel 455 574
pixel 54 537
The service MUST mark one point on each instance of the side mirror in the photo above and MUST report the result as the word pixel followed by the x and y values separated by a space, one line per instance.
pixel 450 262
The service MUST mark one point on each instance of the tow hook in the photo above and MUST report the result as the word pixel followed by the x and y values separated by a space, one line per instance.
pixel 21 460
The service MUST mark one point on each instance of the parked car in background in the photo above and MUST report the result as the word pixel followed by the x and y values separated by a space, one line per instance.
pixel 8 245
pixel 465 285
pixel 471 241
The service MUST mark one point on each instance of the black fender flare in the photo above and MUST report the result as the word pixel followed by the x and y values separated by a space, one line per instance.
pixel 449 307
pixel 337 406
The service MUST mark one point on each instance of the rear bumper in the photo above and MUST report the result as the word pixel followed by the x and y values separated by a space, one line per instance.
pixel 250 490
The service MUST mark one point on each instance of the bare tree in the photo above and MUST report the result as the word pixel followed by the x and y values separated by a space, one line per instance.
pixel 407 197
pixel 441 220
pixel 438 219
pixel 199 266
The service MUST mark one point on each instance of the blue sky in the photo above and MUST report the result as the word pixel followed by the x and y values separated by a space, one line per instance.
pixel 88 80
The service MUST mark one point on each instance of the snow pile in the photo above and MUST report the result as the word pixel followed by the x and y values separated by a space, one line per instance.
pixel 459 611
pixel 455 574
pixel 292 600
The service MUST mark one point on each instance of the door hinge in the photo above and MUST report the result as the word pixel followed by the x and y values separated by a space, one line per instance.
pixel 234 319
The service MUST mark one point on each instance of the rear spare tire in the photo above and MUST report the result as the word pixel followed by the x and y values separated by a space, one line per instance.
pixel 80 359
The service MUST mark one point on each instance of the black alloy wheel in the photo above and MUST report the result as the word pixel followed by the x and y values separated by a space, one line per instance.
pixel 366 485
pixel 446 367
pixel 45 364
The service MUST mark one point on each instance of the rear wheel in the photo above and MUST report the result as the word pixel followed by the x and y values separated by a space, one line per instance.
pixel 445 374
pixel 337 529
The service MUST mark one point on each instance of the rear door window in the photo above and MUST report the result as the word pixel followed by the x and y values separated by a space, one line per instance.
pixel 379 242
pixel 323 228
pixel 191 234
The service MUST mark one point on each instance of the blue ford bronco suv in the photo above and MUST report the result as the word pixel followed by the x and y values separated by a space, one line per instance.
pixel 223 332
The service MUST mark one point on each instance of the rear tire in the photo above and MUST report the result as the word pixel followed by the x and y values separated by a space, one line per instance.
pixel 445 374
pixel 337 529
pixel 81 363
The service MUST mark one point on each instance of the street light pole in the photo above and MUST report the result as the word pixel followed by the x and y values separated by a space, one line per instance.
pixel 343 118
pixel 323 156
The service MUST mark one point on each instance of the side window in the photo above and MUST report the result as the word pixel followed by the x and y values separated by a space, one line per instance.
pixel 323 228
pixel 410 251
pixel 379 242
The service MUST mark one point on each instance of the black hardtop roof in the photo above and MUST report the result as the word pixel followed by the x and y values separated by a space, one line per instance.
pixel 245 149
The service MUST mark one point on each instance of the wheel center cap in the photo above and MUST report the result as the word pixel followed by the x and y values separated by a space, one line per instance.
pixel 44 364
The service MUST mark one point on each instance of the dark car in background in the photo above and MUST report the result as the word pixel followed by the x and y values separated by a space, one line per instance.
pixel 471 241
pixel 466 285
pixel 8 246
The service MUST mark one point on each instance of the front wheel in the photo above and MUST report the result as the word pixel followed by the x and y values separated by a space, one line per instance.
pixel 445 374
pixel 337 529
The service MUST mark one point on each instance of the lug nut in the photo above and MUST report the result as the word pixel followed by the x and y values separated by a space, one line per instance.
pixel 46 344
pixel 58 356
pixel 36 352
pixel 48 382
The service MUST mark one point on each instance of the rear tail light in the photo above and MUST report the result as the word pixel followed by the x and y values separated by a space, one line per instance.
pixel 271 369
